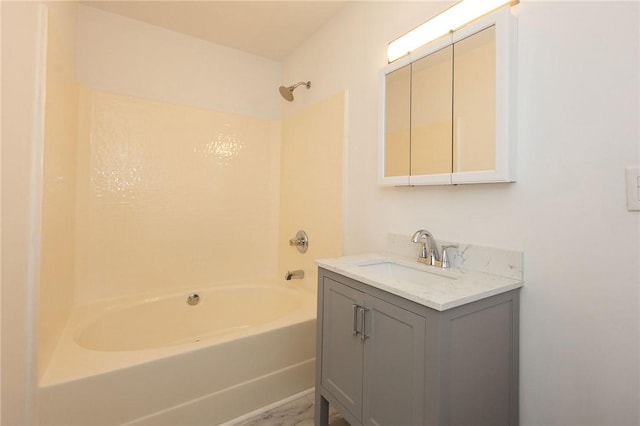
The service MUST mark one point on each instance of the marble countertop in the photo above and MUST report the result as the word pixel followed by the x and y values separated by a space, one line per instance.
pixel 457 286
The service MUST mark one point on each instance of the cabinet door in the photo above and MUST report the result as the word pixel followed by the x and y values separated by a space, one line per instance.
pixel 474 102
pixel 484 122
pixel 397 126
pixel 431 105
pixel 342 350
pixel 394 365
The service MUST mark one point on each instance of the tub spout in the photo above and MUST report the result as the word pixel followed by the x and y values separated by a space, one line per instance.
pixel 294 275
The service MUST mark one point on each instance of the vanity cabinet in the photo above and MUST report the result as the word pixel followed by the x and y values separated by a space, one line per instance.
pixel 376 373
pixel 449 108
pixel 385 360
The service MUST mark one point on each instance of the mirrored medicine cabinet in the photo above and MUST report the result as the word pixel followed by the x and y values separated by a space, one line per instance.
pixel 449 108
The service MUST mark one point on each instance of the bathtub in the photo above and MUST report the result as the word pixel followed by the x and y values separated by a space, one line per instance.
pixel 159 360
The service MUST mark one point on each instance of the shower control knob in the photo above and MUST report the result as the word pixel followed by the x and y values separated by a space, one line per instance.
pixel 301 241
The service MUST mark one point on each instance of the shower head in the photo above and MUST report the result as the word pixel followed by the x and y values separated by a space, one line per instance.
pixel 287 92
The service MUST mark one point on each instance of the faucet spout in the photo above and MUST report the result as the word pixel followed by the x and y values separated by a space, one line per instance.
pixel 428 247
pixel 294 275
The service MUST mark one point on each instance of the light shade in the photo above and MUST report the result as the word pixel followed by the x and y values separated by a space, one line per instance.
pixel 451 19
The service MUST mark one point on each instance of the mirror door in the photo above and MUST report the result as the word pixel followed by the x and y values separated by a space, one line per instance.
pixel 397 124
pixel 431 106
pixel 474 104
pixel 450 108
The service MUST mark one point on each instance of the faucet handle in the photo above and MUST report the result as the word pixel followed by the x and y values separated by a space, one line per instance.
pixel 300 241
pixel 445 256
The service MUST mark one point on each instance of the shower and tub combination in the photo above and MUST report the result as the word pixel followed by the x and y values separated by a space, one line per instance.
pixel 201 355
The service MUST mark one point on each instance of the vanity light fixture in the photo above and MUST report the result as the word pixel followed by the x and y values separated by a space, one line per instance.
pixel 451 19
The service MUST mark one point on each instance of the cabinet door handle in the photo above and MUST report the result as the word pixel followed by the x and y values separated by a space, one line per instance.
pixel 363 334
pixel 355 319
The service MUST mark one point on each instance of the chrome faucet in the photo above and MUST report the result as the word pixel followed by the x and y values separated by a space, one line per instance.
pixel 428 247
pixel 295 275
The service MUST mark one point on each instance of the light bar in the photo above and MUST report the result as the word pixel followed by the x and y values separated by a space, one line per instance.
pixel 451 19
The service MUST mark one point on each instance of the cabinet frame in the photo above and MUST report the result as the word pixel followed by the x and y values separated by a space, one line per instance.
pixel 505 108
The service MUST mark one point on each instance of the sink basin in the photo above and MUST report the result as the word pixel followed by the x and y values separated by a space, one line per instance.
pixel 400 272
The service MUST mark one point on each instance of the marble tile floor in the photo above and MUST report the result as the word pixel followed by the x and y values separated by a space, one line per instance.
pixel 298 412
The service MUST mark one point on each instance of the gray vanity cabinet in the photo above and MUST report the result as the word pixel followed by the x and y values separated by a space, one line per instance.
pixel 372 356
pixel 385 360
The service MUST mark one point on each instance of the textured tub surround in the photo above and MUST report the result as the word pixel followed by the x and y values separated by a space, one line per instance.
pixel 311 182
pixel 157 196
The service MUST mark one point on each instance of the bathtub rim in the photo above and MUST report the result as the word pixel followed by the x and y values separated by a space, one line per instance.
pixel 71 361
pixel 89 314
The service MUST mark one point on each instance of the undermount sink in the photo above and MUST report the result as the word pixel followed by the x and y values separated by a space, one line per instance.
pixel 400 272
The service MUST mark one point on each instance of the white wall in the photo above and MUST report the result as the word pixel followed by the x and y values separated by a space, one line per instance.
pixel 21 130
pixel 128 57
pixel 578 115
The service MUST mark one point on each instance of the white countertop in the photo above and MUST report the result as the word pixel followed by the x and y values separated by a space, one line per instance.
pixel 457 287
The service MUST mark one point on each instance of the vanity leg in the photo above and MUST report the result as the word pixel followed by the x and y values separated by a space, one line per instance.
pixel 321 411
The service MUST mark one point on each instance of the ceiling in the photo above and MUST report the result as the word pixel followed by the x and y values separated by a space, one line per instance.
pixel 272 29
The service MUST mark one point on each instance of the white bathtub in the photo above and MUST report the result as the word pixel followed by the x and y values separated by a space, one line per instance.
pixel 158 360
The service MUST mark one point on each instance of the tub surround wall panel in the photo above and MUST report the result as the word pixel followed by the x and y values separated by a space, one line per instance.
pixel 130 57
pixel 578 110
pixel 172 197
pixel 311 182
pixel 56 290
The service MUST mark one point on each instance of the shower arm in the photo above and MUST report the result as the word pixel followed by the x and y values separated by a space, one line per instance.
pixel 306 83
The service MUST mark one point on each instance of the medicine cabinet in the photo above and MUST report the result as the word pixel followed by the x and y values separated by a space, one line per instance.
pixel 449 108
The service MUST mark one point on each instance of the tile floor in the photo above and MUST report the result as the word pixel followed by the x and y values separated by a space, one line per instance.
pixel 298 412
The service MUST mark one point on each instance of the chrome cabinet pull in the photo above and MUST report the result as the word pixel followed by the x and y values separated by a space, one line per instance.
pixel 363 334
pixel 355 319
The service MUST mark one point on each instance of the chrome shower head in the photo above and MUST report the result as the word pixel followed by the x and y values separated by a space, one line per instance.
pixel 287 92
